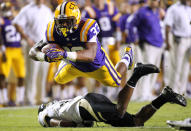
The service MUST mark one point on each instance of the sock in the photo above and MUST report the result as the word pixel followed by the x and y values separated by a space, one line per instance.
pixel 17 95
pixel 134 78
pixel 126 60
pixel 158 102
pixel 21 93
pixel 5 95
pixel 1 96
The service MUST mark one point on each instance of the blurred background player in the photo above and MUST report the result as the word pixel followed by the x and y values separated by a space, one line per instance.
pixel 142 3
pixel 31 22
pixel 11 55
pixel 130 34
pixel 178 40
pixel 147 21
pixel 107 16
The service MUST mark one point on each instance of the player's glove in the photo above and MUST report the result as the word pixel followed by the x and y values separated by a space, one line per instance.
pixel 55 55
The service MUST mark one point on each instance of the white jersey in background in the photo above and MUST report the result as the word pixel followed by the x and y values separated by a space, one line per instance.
pixel 33 19
pixel 178 18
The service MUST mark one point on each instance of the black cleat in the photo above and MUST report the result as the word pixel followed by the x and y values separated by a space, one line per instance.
pixel 145 69
pixel 142 70
pixel 173 97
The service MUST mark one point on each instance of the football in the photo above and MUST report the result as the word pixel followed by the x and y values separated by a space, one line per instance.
pixel 48 46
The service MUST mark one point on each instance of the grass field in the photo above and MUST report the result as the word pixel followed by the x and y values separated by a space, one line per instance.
pixel 25 119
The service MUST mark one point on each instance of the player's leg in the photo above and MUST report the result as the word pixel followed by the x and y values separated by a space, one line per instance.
pixel 97 107
pixel 5 67
pixel 109 76
pixel 19 70
pixel 94 105
pixel 2 86
pixel 50 79
pixel 66 73
pixel 167 95
pixel 127 91
pixel 124 64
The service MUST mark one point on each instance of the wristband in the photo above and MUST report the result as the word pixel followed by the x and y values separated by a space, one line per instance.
pixel 72 56
pixel 40 56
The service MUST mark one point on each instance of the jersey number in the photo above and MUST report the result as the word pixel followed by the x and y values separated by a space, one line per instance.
pixel 11 34
pixel 105 23
pixel 95 30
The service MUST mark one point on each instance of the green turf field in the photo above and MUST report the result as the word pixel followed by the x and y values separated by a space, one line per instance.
pixel 25 119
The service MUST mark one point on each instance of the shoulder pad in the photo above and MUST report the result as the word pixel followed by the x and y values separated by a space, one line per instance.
pixel 85 28
pixel 50 30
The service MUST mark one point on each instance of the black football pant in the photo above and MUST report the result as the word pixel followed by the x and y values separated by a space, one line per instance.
pixel 105 111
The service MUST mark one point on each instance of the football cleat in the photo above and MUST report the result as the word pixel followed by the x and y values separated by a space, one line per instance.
pixel 142 70
pixel 173 97
pixel 145 69
pixel 180 125
pixel 129 55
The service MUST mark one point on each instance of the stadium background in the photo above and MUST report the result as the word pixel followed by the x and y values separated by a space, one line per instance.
pixel 18 4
